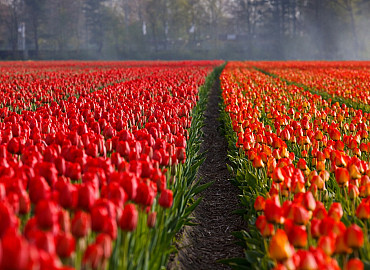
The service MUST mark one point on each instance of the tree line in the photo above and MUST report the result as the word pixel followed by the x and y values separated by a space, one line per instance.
pixel 185 29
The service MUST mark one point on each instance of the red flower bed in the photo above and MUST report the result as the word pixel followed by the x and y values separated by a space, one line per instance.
pixel 88 159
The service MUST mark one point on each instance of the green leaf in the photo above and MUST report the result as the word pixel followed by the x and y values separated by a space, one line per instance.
pixel 255 253
pixel 239 234
pixel 193 206
pixel 189 223
pixel 253 241
pixel 200 188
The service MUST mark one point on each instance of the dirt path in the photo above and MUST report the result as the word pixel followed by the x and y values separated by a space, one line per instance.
pixel 201 246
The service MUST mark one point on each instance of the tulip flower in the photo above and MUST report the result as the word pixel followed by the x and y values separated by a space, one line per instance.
pixel 105 242
pixel 298 236
pixel 166 198
pixel 129 218
pixel 342 176
pixel 15 252
pixel 327 244
pixel 300 215
pixel 46 214
pixel 65 244
pixel 259 204
pixel 279 247
pixel 151 220
pixel 145 194
pixel 354 264
pixel 336 211
pixel 354 237
pixel 81 224
pixel 363 211
pixel 258 163
pixel 93 256
pixel 273 211
pixel 307 260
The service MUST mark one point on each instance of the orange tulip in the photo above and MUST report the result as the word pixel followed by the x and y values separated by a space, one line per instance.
pixel 354 237
pixel 259 204
pixel 363 211
pixel 341 246
pixel 342 176
pixel 279 248
pixel 327 244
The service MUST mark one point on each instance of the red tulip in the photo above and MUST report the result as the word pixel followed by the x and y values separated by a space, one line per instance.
pixel 65 244
pixel 336 211
pixel 116 194
pixel 129 183
pixel 46 214
pixel 45 241
pixel 320 211
pixel 64 221
pixel 86 196
pixel 166 198
pixel 145 195
pixel 24 202
pixel 105 242
pixel 273 211
pixel 7 218
pixel 15 253
pixel 327 244
pixel 14 146
pixel 73 170
pixel 307 260
pixel 48 171
pixel 298 236
pixel 180 154
pixel 81 224
pixel 300 215
pixel 309 201
pixel 68 195
pixel 93 256
pixel 151 220
pixel 39 189
pixel 99 216
pixel 129 218
pixel 110 227
pixel 354 264
pixel 315 228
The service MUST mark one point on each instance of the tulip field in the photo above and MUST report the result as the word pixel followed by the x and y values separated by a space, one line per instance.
pixel 99 161
pixel 299 151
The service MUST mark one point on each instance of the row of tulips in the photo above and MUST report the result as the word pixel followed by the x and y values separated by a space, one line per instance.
pixel 29 85
pixel 346 82
pixel 102 179
pixel 302 165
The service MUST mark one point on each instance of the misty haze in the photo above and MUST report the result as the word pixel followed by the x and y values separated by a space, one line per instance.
pixel 184 29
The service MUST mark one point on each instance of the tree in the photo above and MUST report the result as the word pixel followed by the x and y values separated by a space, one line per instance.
pixel 350 9
pixel 95 21
pixel 62 24
pixel 35 9
pixel 11 18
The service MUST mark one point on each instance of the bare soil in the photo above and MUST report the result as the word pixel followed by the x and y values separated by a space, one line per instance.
pixel 199 247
